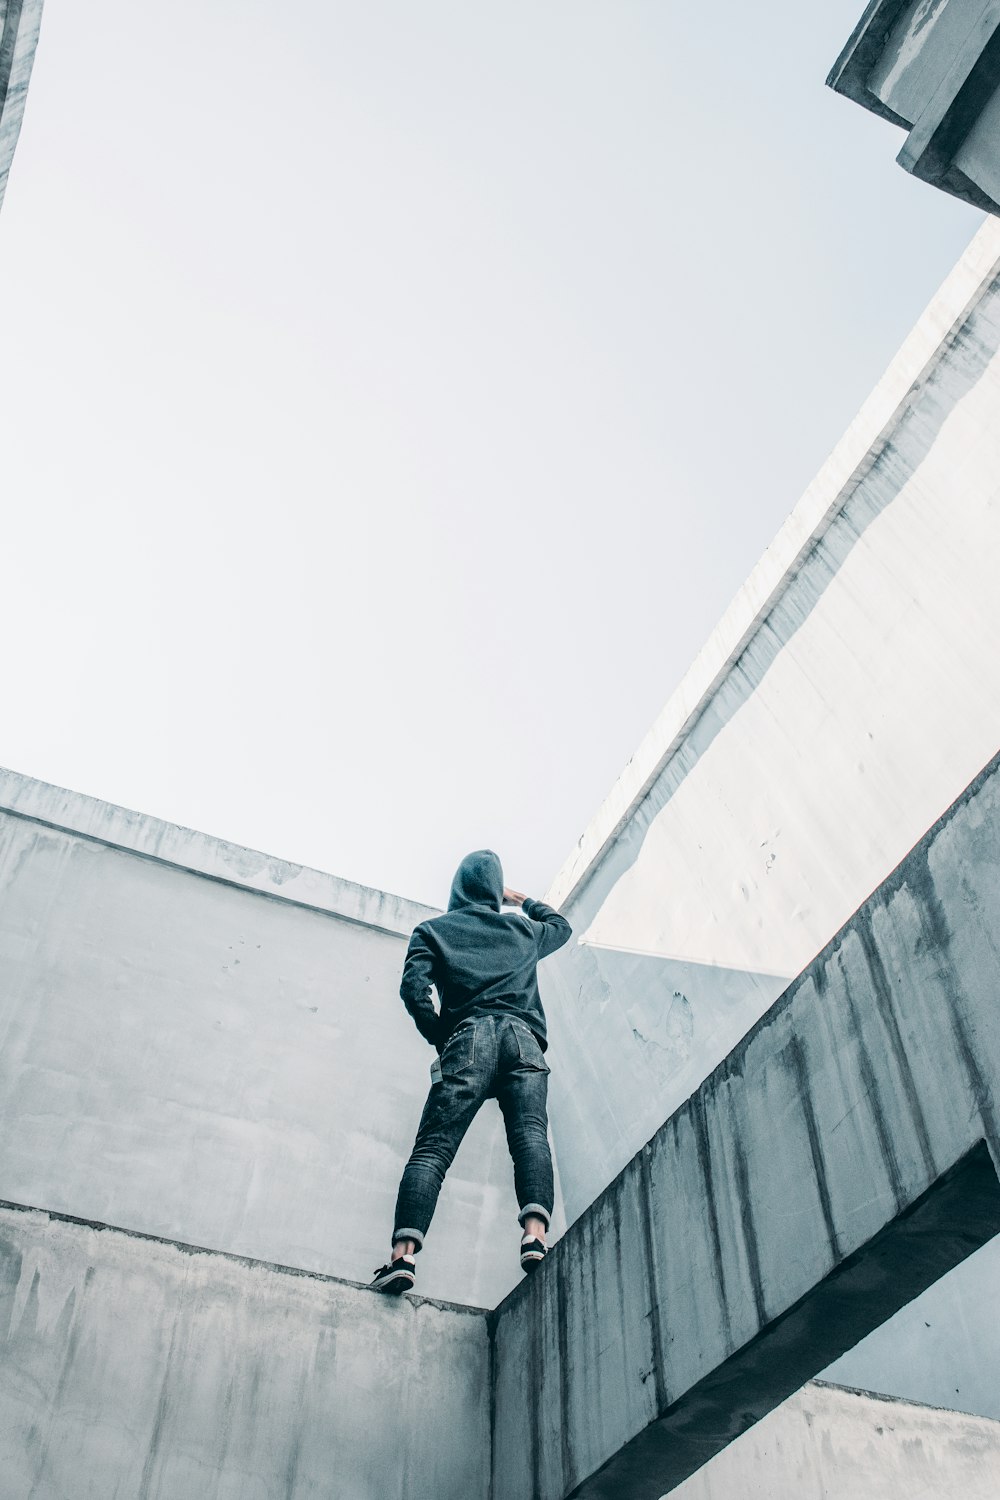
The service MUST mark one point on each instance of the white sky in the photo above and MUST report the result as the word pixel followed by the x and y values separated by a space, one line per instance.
pixel 395 394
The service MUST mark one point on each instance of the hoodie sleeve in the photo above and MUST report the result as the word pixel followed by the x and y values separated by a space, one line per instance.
pixel 554 929
pixel 415 987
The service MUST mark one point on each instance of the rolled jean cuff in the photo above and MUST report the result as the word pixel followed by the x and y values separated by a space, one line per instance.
pixel 533 1211
pixel 408 1234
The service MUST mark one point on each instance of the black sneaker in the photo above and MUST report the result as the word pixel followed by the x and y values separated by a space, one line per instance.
pixel 398 1276
pixel 532 1253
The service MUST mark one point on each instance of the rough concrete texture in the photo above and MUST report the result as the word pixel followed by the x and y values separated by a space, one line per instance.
pixel 933 67
pixel 144 1370
pixel 19 23
pixel 828 1443
pixel 137 1370
pixel 827 1172
pixel 189 1058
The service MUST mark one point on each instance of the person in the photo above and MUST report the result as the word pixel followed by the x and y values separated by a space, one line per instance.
pixel 491 1038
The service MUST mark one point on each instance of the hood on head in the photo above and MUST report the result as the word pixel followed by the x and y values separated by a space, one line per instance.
pixel 478 881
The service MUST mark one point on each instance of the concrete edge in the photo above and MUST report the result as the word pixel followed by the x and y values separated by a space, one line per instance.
pixel 201 854
pixel 889 1400
pixel 862 50
pixel 227 1255
pixel 927 343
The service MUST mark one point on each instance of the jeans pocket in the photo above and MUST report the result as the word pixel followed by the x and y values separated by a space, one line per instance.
pixel 529 1048
pixel 459 1054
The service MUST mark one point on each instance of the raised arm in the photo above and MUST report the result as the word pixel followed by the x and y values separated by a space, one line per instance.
pixel 555 928
pixel 415 987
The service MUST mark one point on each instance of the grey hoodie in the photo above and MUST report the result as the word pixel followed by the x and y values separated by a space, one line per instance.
pixel 480 959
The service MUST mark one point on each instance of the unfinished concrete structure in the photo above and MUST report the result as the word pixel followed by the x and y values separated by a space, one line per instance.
pixel 777 1152
pixel 773 1106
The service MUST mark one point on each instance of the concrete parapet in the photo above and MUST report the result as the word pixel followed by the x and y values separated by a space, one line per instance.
pixel 155 1371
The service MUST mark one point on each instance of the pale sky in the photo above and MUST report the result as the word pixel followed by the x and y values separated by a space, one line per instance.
pixel 396 394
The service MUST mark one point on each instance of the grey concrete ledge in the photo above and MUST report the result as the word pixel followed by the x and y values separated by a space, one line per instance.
pixel 201 854
pixel 49 1216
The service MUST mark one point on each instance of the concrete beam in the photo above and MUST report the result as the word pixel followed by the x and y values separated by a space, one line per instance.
pixel 135 1366
pixel 19 23
pixel 826 1172
pixel 934 70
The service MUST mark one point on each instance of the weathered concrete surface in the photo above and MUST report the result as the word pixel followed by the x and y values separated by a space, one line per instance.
pixel 829 1170
pixel 150 1371
pixel 837 711
pixel 933 67
pixel 829 1443
pixel 145 1370
pixel 19 23
pixel 189 1057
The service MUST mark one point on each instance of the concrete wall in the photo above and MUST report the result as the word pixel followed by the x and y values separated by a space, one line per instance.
pixel 842 704
pixel 827 1443
pixel 19 23
pixel 831 1169
pixel 144 1371
pixel 140 1369
pixel 219 1054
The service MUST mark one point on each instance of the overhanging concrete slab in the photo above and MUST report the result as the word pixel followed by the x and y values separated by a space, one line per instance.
pixel 934 70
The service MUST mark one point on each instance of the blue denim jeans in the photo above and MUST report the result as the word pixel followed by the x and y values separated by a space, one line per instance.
pixel 489 1057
